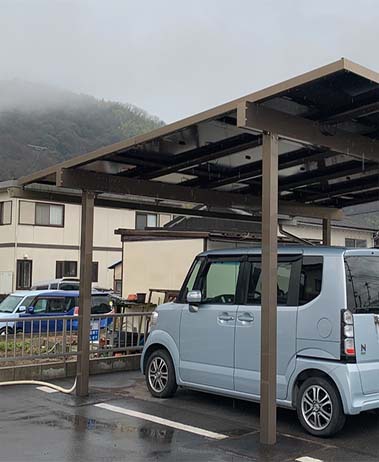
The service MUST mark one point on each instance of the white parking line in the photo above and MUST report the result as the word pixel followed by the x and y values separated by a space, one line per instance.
pixel 308 459
pixel 47 389
pixel 159 420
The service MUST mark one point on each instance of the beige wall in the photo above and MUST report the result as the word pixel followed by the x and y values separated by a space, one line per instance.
pixel 338 234
pixel 158 264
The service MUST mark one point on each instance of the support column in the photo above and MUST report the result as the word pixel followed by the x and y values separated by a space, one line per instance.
pixel 269 288
pixel 86 245
pixel 326 232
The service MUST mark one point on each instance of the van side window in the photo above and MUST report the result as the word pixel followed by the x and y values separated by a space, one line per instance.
pixel 310 279
pixel 255 283
pixel 219 282
pixel 57 305
pixel 189 282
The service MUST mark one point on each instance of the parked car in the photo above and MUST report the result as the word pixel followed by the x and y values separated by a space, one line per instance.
pixel 48 303
pixel 328 332
pixel 65 283
pixel 12 306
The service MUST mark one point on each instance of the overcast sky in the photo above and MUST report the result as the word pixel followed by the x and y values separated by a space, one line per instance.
pixel 175 57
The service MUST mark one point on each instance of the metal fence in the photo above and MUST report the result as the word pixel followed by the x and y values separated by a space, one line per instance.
pixel 48 337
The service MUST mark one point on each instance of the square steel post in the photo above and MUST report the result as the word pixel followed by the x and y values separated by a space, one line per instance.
pixel 269 288
pixel 86 245
pixel 326 232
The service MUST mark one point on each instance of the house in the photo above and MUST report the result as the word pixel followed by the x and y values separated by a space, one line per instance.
pixel 40 239
pixel 161 258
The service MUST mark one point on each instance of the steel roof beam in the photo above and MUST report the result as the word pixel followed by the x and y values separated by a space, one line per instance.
pixel 86 180
pixel 252 116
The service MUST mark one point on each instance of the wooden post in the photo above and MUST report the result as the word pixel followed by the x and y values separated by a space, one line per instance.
pixel 269 288
pixel 86 245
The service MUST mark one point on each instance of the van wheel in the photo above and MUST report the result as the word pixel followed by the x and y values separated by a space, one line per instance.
pixel 6 330
pixel 319 407
pixel 160 375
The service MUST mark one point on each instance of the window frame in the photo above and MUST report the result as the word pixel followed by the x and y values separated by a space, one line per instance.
pixel 146 214
pixel 19 261
pixel 62 206
pixel 355 240
pixel 2 223
pixel 63 269
pixel 306 260
pixel 182 297
pixel 224 258
pixel 48 300
pixel 294 282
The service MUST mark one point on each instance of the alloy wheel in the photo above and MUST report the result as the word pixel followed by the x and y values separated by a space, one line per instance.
pixel 158 374
pixel 316 407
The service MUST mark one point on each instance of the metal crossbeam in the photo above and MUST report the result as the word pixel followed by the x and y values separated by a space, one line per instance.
pixel 252 116
pixel 99 182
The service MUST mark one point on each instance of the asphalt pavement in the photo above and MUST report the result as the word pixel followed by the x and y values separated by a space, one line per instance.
pixel 120 421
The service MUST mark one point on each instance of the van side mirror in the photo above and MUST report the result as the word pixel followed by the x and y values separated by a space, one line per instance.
pixel 30 310
pixel 194 298
pixel 22 309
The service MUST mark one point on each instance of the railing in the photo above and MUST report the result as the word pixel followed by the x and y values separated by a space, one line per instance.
pixel 49 337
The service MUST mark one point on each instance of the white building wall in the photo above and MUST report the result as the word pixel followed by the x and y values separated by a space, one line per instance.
pixel 46 245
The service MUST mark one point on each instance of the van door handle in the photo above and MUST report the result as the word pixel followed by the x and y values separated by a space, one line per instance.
pixel 246 317
pixel 225 317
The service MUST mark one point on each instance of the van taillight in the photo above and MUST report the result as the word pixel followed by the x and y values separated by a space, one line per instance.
pixel 76 311
pixel 348 333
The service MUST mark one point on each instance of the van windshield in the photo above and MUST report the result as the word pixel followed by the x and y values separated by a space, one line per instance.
pixel 9 303
pixel 362 283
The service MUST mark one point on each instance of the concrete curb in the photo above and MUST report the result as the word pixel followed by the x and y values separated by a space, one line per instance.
pixel 60 370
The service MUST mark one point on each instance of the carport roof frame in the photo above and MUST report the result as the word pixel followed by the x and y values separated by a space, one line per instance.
pixel 305 198
pixel 262 118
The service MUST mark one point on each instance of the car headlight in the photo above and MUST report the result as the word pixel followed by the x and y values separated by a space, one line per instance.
pixel 154 319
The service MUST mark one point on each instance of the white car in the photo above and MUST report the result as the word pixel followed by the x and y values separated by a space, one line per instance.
pixel 13 305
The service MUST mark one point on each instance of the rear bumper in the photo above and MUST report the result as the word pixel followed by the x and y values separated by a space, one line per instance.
pixel 356 400
pixel 347 378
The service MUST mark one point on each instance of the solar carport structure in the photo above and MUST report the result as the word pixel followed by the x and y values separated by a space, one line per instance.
pixel 305 147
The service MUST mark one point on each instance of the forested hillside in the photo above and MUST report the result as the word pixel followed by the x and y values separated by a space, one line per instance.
pixel 41 125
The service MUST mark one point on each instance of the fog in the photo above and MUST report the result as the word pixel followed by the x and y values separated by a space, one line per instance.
pixel 174 58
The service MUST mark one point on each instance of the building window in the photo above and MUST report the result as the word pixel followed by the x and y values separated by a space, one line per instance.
pixel 146 220
pixel 24 274
pixel 66 269
pixel 117 286
pixel 95 271
pixel 6 213
pixel 49 215
pixel 355 243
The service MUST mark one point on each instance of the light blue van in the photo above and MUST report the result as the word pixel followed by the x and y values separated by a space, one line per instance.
pixel 328 332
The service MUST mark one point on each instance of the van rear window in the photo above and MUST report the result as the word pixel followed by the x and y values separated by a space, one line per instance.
pixel 362 283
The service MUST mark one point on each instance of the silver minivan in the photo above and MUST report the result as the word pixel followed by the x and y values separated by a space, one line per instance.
pixel 328 332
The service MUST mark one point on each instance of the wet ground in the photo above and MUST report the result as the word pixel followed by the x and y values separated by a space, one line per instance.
pixel 119 421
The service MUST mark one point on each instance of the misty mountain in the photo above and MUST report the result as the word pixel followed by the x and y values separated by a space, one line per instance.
pixel 42 125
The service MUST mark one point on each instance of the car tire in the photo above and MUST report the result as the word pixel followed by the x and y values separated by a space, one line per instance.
pixel 319 407
pixel 5 330
pixel 160 375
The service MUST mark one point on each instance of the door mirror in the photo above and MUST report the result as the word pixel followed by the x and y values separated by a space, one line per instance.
pixel 30 310
pixel 194 298
pixel 22 309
